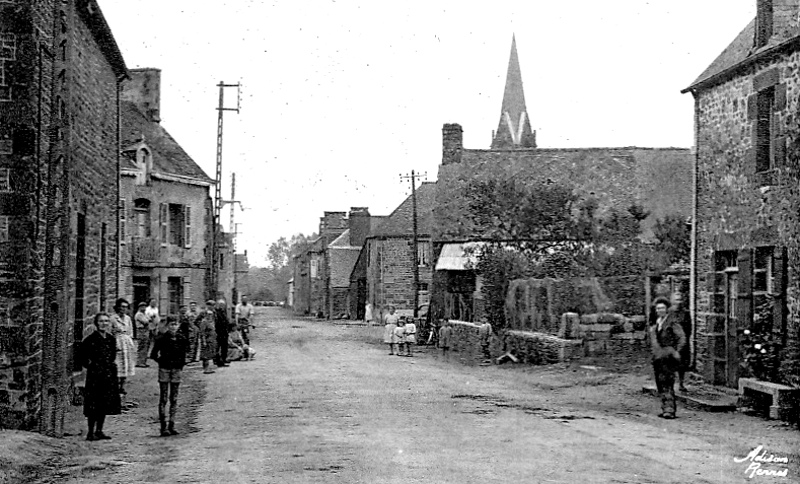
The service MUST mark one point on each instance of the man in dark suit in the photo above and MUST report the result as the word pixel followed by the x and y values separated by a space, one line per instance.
pixel 222 327
pixel 667 341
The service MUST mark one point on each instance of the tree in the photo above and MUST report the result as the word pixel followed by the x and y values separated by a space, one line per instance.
pixel 674 238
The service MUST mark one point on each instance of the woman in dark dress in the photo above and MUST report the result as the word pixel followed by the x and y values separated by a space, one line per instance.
pixel 101 394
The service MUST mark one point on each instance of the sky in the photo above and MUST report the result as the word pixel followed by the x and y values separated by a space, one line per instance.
pixel 339 98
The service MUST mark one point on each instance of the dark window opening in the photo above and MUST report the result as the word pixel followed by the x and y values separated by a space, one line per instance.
pixel 176 225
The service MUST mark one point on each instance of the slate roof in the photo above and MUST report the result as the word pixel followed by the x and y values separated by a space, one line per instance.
pixel 660 179
pixel 168 156
pixel 400 221
pixel 742 52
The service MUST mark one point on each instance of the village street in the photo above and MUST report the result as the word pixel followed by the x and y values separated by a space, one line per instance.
pixel 323 402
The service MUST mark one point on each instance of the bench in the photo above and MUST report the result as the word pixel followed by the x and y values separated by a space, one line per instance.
pixel 784 397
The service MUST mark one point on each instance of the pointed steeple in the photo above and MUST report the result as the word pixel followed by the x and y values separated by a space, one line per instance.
pixel 514 129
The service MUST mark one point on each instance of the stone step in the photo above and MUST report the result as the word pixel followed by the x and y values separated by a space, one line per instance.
pixel 701 398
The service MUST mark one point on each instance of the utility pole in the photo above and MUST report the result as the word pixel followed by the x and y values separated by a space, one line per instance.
pixel 216 236
pixel 234 292
pixel 414 253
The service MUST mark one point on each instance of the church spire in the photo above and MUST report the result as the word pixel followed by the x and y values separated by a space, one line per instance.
pixel 514 129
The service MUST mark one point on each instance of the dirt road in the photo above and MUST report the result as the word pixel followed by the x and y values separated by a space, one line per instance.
pixel 326 403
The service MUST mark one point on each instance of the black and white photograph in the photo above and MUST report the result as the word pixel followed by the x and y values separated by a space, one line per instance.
pixel 352 241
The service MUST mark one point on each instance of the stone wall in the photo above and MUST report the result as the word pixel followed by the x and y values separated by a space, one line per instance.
pixel 63 172
pixel 739 210
pixel 390 273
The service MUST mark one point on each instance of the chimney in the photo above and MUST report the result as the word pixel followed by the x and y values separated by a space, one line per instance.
pixel 144 90
pixel 764 22
pixel 359 222
pixel 332 225
pixel 452 143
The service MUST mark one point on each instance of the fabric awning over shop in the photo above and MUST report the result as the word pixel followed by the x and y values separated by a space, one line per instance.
pixel 454 257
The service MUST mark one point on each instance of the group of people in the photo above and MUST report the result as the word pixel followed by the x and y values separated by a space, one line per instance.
pixel 112 349
pixel 400 333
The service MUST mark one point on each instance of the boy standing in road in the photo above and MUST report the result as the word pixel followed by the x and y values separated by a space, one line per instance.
pixel 445 335
pixel 170 353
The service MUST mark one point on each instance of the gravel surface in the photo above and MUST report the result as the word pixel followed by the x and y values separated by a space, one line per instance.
pixel 324 402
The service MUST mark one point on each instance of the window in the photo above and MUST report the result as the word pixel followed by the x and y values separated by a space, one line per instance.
pixel 176 225
pixel 123 221
pixel 221 261
pixel 314 267
pixel 4 228
pixel 5 180
pixel 764 128
pixel 763 270
pixel 764 16
pixel 141 211
pixel 423 254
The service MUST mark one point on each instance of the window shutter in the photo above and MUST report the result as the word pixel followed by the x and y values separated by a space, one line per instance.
pixel 752 107
pixel 744 300
pixel 163 298
pixel 779 151
pixel 187 291
pixel 123 219
pixel 187 225
pixel 162 222
pixel 779 282
pixel 780 98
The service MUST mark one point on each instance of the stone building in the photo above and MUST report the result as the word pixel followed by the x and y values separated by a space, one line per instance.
pixel 655 178
pixel 165 207
pixel 745 252
pixel 342 256
pixel 60 75
pixel 384 273
pixel 312 271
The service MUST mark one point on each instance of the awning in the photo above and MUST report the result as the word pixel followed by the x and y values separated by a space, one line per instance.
pixel 454 257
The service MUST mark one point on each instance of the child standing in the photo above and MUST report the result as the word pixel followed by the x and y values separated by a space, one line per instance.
pixel 410 330
pixel 390 321
pixel 445 335
pixel 170 353
pixel 399 336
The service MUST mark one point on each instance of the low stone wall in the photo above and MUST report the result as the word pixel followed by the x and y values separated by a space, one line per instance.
pixel 539 348
pixel 578 335
pixel 610 334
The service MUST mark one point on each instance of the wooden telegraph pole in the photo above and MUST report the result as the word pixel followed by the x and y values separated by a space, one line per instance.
pixel 414 252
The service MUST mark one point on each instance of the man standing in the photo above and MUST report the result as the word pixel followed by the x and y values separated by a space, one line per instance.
pixel 144 336
pixel 193 316
pixel 667 340
pixel 222 327
pixel 244 315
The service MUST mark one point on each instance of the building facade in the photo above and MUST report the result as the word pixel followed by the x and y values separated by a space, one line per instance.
pixel 390 257
pixel 60 74
pixel 165 206
pixel 745 250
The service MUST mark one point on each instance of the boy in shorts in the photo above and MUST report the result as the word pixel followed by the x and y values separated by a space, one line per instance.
pixel 170 352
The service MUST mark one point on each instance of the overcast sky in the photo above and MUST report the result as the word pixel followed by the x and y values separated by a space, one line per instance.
pixel 340 97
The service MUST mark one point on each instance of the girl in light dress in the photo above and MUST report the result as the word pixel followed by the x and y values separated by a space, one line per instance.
pixel 399 336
